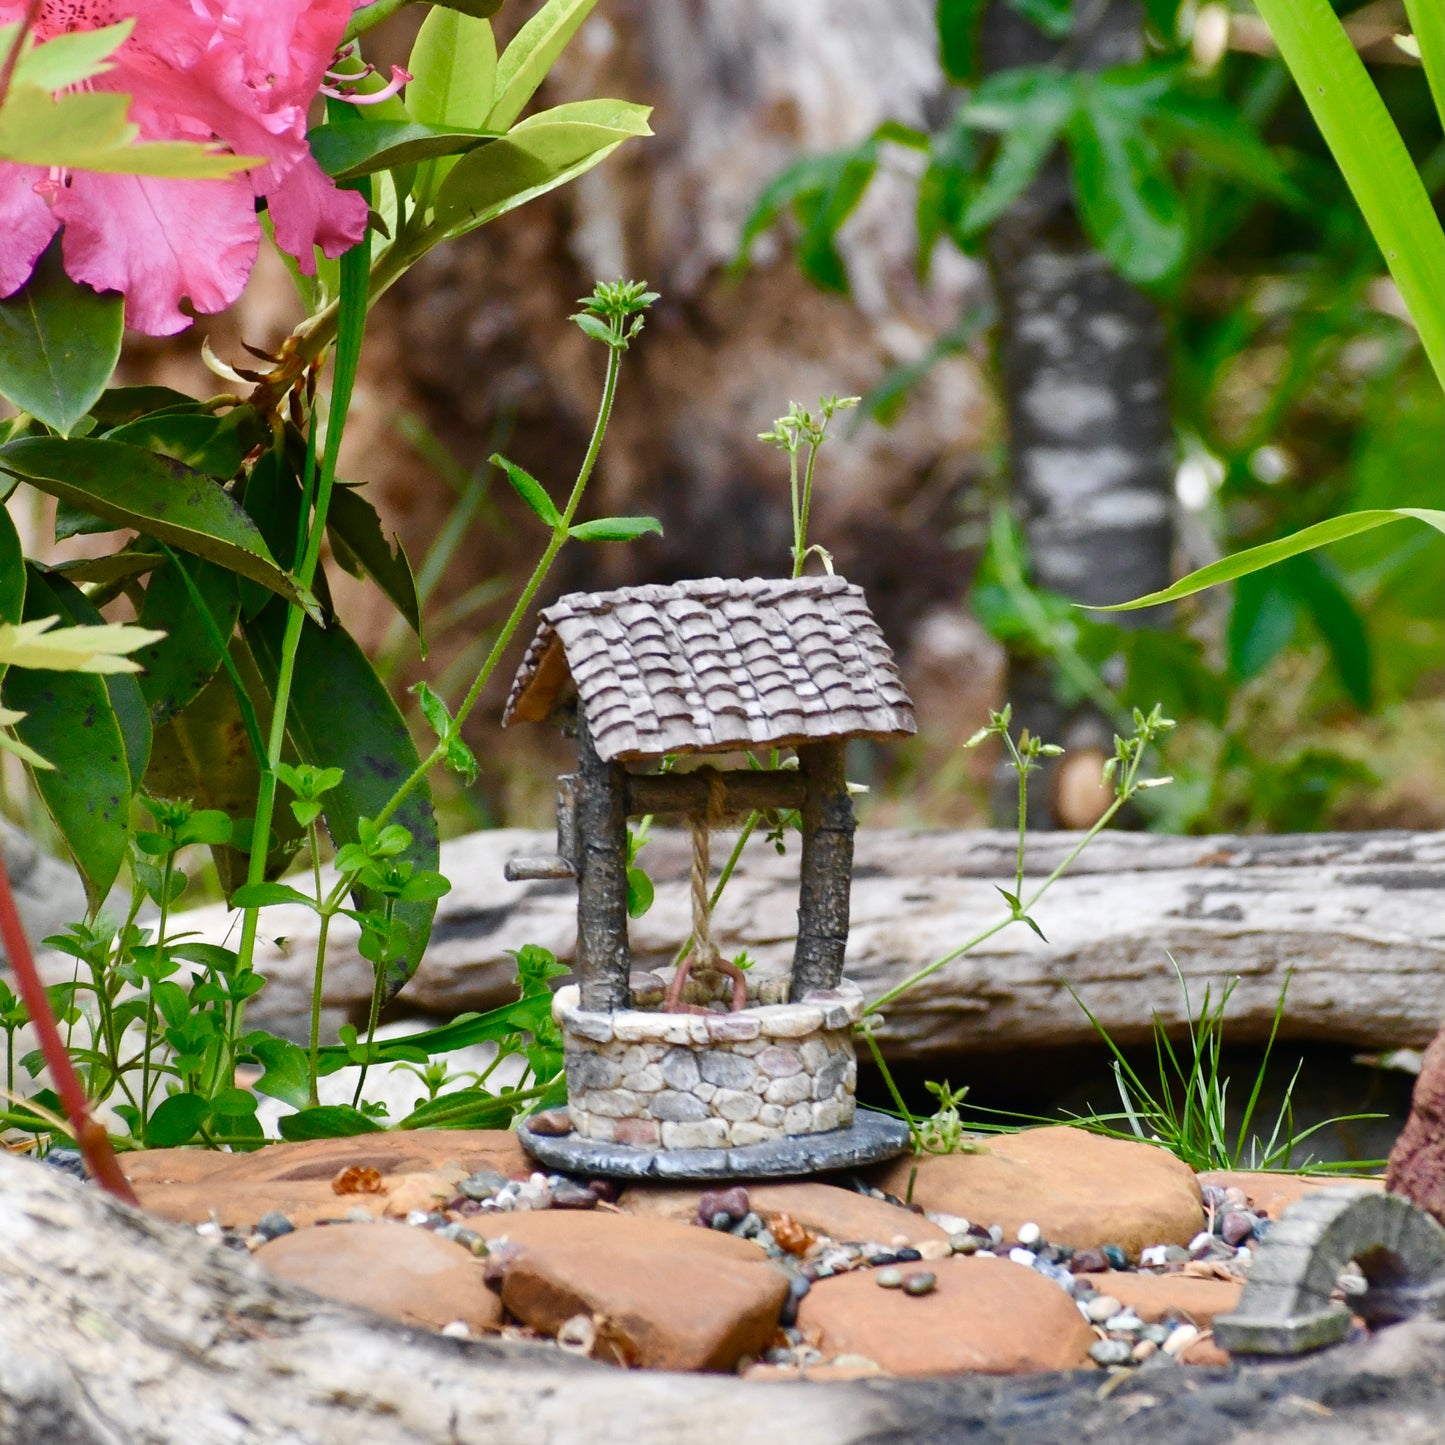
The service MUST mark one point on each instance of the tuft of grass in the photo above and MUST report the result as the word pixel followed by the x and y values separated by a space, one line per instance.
pixel 1187 1112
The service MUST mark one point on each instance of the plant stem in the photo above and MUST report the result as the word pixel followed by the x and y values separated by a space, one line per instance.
pixel 90 1135
pixel 524 601
pixel 800 552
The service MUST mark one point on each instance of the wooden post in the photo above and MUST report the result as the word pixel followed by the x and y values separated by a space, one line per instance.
pixel 603 955
pixel 826 872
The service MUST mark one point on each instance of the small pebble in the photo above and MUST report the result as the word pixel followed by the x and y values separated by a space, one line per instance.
pixel 797 1288
pixel 995 1233
pixel 908 1256
pixel 1155 1254
pixel 1116 1257
pixel 68 1161
pixel 887 1278
pixel 273 1224
pixel 1143 1350
pixel 1156 1334
pixel 567 1195
pixel 733 1203
pixel 1213 1196
pixel 606 1190
pixel 1261 1228
pixel 484 1184
pixel 1180 1338
pixel 962 1243
pixel 1175 1254
pixel 920 1282
pixel 1201 1244
pixel 209 1230
pixel 749 1226
pixel 1029 1235
pixel 933 1250
pixel 1089 1261
pixel 1235 1198
pixel 1111 1352
pixel 1238 1226
pixel 883 1257
pixel 552 1123
pixel 1022 1256
pixel 952 1223
pixel 456 1330
pixel 358 1215
pixel 1100 1308
pixel 1126 1322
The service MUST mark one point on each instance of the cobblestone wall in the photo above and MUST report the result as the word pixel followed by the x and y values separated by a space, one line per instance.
pixel 711 1080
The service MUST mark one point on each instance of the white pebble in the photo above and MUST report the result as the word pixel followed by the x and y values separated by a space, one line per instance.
pixel 457 1330
pixel 1030 1233
pixel 950 1223
pixel 210 1230
pixel 1022 1256
pixel 995 1233
pixel 1201 1243
pixel 1244 1254
pixel 1180 1338
pixel 1101 1307
pixel 416 1216
pixel 1154 1254
pixel 1125 1322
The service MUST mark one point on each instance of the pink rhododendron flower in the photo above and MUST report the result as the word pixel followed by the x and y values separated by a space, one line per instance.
pixel 239 71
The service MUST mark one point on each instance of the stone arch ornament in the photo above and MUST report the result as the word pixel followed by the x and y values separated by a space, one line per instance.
pixel 1286 1307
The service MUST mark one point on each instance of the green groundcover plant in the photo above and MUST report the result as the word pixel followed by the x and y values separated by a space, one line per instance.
pixel 142 165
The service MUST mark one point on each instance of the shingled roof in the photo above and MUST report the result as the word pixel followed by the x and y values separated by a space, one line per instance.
pixel 712 665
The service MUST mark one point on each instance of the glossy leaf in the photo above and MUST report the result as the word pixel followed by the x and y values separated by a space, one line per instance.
pixel 288 1074
pixel 354 530
pixel 326 1121
pixel 129 487
pixel 120 404
pixel 203 441
pixel 454 79
pixel 186 659
pixel 59 343
pixel 1254 558
pixel 70 722
pixel 614 529
pixel 105 571
pixel 534 49
pixel 524 1015
pixel 1427 22
pixel 538 155
pixel 346 152
pixel 527 487
pixel 1126 201
pixel 334 679
pixel 12 571
pixel 264 895
pixel 126 699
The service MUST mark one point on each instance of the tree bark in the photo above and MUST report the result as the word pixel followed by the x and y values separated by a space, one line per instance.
pixel 1355 918
pixel 1085 367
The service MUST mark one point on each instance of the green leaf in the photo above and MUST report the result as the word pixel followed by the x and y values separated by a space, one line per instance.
pixel 67 59
pixel 526 486
pixel 129 487
pixel 334 679
pixel 1341 626
pixel 614 529
pixel 288 1074
pixel 263 895
pixel 465 1109
pixel 453 66
pixel 526 1015
pixel 1369 151
pixel 958 22
pixel 215 445
pixel 1254 558
pixel 59 343
pixel 176 1121
pixel 538 155
pixel 126 699
pixel 1218 134
pixel 186 659
pixel 120 404
pixel 354 529
pixel 1262 622
pixel 326 1121
pixel 640 892
pixel 89 131
pixel 71 723
pixel 346 152
pixel 1126 200
pixel 533 51
pixel 1034 105
pixel 1427 22
pixel 1054 18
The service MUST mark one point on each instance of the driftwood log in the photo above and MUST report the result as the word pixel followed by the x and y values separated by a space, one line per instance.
pixel 119 1329
pixel 1355 921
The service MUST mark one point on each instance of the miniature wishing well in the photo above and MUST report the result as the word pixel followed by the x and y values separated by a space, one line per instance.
pixel 718 1073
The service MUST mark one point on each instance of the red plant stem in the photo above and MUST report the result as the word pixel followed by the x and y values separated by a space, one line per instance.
pixel 13 58
pixel 90 1134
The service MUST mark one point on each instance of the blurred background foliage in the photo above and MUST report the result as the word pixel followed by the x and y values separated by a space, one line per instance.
pixel 797 143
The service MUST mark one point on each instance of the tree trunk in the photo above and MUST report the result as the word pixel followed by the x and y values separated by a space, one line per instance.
pixel 1086 389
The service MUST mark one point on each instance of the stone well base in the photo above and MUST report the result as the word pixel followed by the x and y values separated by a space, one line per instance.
pixel 711 1081
pixel 871 1137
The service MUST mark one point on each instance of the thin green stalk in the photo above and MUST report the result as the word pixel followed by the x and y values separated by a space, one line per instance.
pixel 524 601
pixel 800 552
pixel 314 1061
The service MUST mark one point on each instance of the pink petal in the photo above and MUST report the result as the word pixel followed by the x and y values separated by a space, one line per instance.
pixel 26 225
pixel 308 209
pixel 159 240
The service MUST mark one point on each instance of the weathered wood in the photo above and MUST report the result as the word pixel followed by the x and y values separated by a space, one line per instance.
pixel 745 790
pixel 1358 917
pixel 825 871
pixel 120 1329
pixel 602 946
